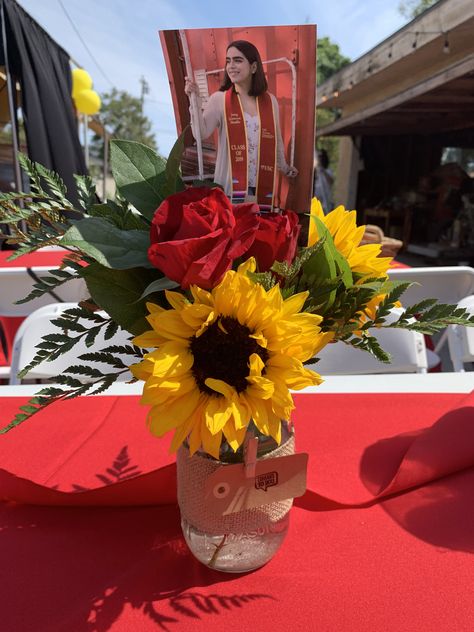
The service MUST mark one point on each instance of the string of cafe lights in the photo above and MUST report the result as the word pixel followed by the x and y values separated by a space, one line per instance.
pixel 446 49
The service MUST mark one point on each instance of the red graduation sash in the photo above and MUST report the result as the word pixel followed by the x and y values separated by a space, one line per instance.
pixel 237 145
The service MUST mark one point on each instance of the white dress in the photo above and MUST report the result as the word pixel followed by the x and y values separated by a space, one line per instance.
pixel 212 117
pixel 253 135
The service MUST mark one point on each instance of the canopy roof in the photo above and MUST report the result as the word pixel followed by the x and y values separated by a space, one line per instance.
pixel 420 80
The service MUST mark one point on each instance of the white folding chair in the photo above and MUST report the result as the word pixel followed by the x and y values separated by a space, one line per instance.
pixel 448 284
pixel 16 283
pixel 407 349
pixel 37 325
pixel 461 339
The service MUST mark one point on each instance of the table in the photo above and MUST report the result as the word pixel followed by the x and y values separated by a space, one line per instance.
pixel 119 563
pixel 39 258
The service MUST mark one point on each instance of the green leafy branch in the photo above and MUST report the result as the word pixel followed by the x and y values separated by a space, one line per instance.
pixel 47 284
pixel 371 345
pixel 42 211
pixel 349 308
pixel 426 317
pixel 52 346
pixel 86 192
pixel 93 382
pixel 430 317
pixel 288 275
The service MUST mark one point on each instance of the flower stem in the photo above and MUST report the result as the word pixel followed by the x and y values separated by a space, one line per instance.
pixel 215 555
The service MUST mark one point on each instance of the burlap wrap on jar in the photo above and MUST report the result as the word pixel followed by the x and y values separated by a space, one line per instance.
pixel 192 475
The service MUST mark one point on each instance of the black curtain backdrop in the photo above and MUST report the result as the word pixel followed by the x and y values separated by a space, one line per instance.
pixel 43 71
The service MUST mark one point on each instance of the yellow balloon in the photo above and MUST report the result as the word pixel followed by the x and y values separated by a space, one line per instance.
pixel 87 102
pixel 81 80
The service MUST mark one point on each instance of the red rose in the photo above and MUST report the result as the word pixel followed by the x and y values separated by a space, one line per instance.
pixel 276 239
pixel 196 235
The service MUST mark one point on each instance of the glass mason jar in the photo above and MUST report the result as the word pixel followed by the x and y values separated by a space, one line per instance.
pixel 241 541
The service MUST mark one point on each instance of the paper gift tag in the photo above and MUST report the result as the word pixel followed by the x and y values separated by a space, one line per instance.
pixel 228 489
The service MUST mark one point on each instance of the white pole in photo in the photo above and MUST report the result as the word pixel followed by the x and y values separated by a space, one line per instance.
pixel 194 104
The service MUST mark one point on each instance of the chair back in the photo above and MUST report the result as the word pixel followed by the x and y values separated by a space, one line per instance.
pixel 407 350
pixel 461 339
pixel 16 284
pixel 448 284
pixel 37 325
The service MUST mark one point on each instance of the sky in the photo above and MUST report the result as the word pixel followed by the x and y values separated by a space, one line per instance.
pixel 122 36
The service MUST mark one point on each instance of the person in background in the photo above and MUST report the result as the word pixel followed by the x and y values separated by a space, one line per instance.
pixel 250 145
pixel 323 180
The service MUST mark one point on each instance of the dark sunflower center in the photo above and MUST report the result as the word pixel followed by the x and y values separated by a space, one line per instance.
pixel 222 352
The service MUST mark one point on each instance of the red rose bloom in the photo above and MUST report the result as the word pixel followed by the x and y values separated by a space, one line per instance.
pixel 276 239
pixel 196 235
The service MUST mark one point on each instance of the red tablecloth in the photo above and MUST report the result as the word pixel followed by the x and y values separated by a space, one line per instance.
pixel 349 562
pixel 49 258
pixel 10 324
pixel 398 264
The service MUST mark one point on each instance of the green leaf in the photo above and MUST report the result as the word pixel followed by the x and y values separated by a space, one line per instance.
pixel 119 215
pixel 86 191
pixel 341 262
pixel 119 292
pixel 158 286
pixel 111 330
pixel 173 165
pixel 106 358
pixel 109 246
pixel 136 169
pixel 321 266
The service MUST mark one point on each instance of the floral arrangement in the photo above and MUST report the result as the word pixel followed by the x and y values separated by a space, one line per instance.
pixel 223 306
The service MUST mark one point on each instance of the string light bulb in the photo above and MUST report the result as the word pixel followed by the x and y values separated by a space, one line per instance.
pixel 446 48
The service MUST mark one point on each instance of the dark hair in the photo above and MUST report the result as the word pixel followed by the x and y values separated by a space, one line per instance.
pixel 251 54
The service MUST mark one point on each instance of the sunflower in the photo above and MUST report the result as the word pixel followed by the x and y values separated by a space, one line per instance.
pixel 363 260
pixel 229 356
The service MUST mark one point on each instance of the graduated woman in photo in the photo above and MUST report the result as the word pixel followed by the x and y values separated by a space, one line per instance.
pixel 250 147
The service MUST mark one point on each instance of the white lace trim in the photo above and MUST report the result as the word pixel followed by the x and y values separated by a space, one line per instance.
pixel 253 134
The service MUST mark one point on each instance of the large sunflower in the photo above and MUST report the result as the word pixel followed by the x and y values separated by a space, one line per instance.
pixel 227 357
pixel 347 236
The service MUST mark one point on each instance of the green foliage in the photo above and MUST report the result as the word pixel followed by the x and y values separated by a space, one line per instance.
pixel 86 191
pixel 122 115
pixel 144 178
pixel 120 292
pixel 75 325
pixel 138 173
pixel 57 277
pixel 430 317
pixel 410 9
pixel 43 219
pixel 54 345
pixel 329 59
pixel 108 245
pixel 158 286
pixel 120 214
pixel 328 143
